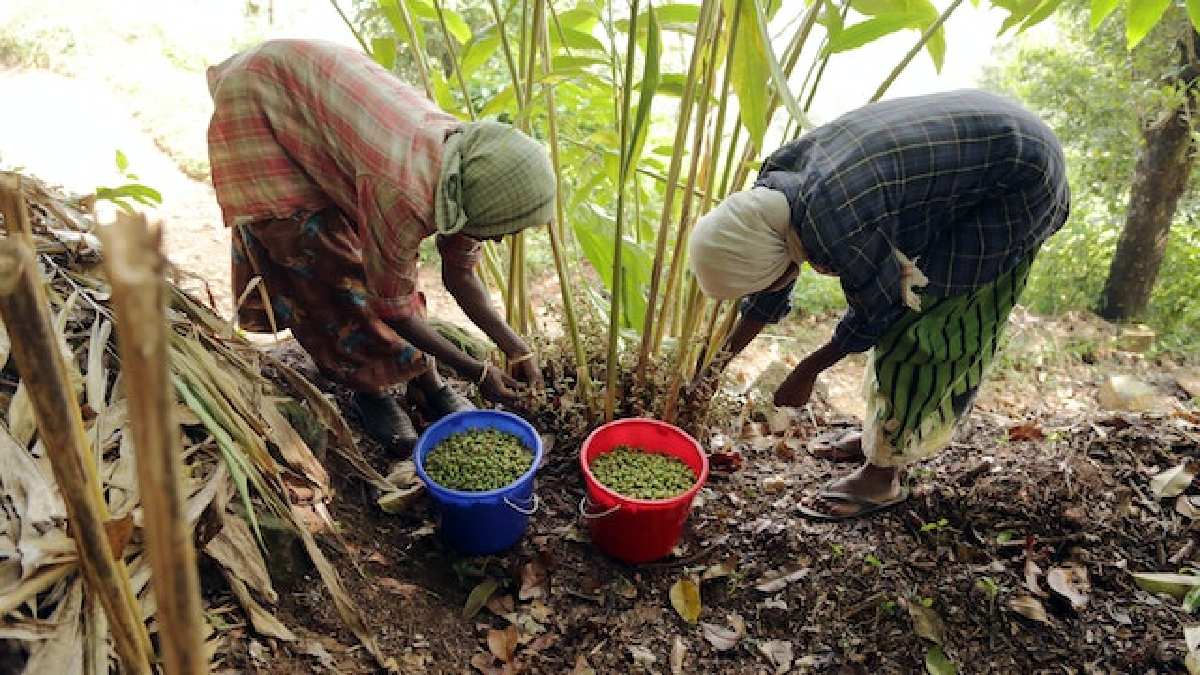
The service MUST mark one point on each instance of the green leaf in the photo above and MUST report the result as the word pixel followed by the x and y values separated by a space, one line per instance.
pixel 831 18
pixel 872 29
pixel 1192 600
pixel 777 74
pixel 936 47
pixel 876 7
pixel 641 120
pixel 1101 9
pixel 749 71
pixel 457 26
pixel 595 236
pixel 581 18
pixel 122 161
pixel 479 597
pixel 392 12
pixel 139 193
pixel 676 17
pixel 1141 18
pixel 441 91
pixel 566 64
pixel 576 39
pixel 936 662
pixel 383 50
pixel 1193 10
pixel 1039 14
pixel 502 101
pixel 479 51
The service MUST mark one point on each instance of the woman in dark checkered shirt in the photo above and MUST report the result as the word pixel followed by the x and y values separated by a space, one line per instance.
pixel 930 211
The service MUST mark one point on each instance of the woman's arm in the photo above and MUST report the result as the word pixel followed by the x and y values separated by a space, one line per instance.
pixel 704 384
pixel 472 296
pixel 797 388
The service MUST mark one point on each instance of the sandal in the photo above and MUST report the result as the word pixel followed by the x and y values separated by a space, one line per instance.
pixel 866 506
pixel 846 448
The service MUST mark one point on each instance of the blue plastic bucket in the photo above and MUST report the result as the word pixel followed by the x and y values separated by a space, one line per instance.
pixel 479 523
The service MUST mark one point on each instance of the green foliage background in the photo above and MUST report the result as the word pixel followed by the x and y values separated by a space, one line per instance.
pixel 1095 94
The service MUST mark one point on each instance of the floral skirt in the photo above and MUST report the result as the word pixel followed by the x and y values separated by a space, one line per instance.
pixel 311 267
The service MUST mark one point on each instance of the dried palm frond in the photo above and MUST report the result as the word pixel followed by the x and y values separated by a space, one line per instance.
pixel 235 446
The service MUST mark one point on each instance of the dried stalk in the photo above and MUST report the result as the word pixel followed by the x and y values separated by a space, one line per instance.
pixel 556 229
pixel 675 270
pixel 23 307
pixel 703 30
pixel 136 271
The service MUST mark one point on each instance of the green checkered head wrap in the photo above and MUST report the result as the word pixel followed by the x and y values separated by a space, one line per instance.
pixel 495 181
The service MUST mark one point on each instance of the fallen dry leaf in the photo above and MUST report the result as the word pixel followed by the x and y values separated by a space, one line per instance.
pixel 1185 507
pixel 1071 582
pixel 927 623
pixel 685 598
pixel 1032 573
pixel 1029 607
pixel 503 643
pixel 719 570
pixel 533 581
pixel 1174 481
pixel 624 588
pixel 405 590
pixel 502 606
pixel 642 656
pixel 582 667
pixel 540 611
pixel 479 597
pixel 678 654
pixel 723 639
pixel 486 664
pixel 1026 432
pixel 775 580
pixel 779 653
pixel 119 530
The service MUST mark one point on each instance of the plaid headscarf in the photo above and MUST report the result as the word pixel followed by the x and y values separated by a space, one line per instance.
pixel 495 180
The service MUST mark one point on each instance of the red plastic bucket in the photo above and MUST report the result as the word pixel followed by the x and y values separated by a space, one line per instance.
pixel 638 530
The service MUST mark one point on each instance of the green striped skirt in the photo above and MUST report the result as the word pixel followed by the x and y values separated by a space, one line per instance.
pixel 923 375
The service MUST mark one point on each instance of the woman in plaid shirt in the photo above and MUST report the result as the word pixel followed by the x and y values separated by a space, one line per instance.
pixel 331 172
pixel 930 211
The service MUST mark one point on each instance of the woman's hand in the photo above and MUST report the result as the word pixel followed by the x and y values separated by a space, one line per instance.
pixel 525 368
pixel 797 388
pixel 497 387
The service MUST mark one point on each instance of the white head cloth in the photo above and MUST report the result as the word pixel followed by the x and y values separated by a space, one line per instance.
pixel 742 246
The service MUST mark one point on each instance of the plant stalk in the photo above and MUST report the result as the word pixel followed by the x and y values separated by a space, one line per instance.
pixel 24 309
pixel 675 270
pixel 582 376
pixel 703 30
pixel 462 83
pixel 916 49
pixel 614 318
pixel 136 270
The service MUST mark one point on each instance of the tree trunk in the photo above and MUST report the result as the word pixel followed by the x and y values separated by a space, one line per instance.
pixel 1160 177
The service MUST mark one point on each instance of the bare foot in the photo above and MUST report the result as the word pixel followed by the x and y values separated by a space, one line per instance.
pixel 847 448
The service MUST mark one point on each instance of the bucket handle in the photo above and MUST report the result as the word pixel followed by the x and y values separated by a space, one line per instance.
pixel 525 511
pixel 583 511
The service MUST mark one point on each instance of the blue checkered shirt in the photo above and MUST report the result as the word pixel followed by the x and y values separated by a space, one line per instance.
pixel 966 184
